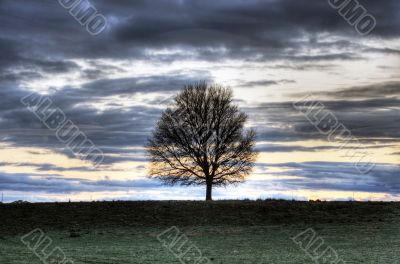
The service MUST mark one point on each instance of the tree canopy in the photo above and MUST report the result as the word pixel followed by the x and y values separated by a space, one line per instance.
pixel 201 140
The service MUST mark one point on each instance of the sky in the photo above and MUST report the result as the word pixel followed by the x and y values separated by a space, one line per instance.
pixel 114 86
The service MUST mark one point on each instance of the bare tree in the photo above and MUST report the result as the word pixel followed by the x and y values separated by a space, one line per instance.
pixel 201 140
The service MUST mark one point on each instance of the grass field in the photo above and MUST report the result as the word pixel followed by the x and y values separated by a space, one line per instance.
pixel 224 231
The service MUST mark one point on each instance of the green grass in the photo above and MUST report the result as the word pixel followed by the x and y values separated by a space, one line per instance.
pixel 226 232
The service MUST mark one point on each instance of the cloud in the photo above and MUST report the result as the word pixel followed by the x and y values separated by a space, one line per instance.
pixel 339 176
pixel 270 148
pixel 251 30
pixel 264 83
pixel 371 91
pixel 370 111
pixel 34 183
pixel 119 125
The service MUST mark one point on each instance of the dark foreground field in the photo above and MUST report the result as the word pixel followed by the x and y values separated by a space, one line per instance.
pixel 224 231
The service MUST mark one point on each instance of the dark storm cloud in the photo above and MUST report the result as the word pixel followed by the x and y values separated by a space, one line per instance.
pixel 14 55
pixel 259 26
pixel 129 86
pixel 367 111
pixel 48 166
pixel 56 184
pixel 110 156
pixel 9 54
pixel 340 176
pixel 212 30
pixel 115 127
pixel 264 83
pixel 365 119
pixel 9 76
pixel 377 90
pixel 306 66
pixel 118 126
pixel 283 148
pixel 383 50
pixel 51 66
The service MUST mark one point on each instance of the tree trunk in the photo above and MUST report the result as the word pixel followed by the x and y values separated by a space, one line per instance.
pixel 209 191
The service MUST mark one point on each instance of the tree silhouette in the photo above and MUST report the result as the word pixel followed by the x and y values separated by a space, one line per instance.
pixel 201 140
